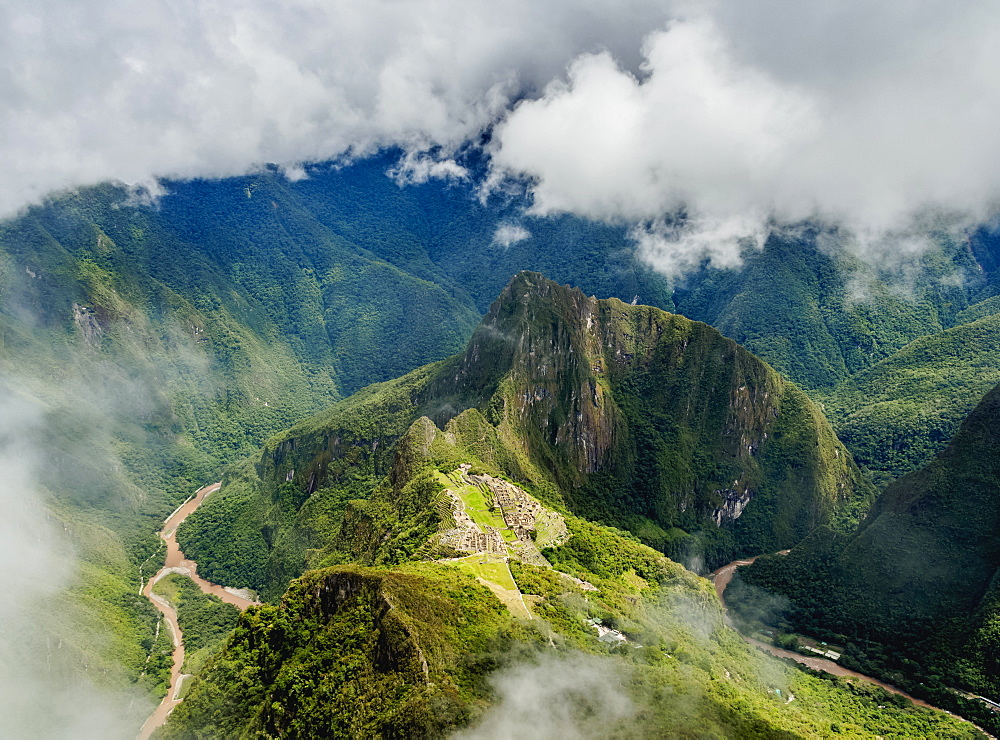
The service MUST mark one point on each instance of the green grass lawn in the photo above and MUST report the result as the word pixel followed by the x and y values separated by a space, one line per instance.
pixel 494 569
pixel 476 505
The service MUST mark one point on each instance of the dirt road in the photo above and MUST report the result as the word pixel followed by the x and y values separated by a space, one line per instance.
pixel 177 563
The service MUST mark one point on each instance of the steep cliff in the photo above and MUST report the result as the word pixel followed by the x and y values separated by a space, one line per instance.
pixel 621 413
pixel 651 421
pixel 921 572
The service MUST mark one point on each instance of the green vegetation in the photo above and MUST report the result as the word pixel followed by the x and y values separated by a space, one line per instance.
pixel 205 620
pixel 159 345
pixel 646 421
pixel 676 637
pixel 896 415
pixel 354 652
pixel 819 315
pixel 913 591
pixel 489 568
pixel 408 651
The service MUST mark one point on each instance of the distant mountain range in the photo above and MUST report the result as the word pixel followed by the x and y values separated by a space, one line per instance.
pixel 162 344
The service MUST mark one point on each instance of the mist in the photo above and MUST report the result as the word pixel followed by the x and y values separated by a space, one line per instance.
pixel 574 696
pixel 86 432
pixel 699 124
pixel 44 690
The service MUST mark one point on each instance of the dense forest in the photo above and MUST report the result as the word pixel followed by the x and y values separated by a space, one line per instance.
pixel 151 347
pixel 432 636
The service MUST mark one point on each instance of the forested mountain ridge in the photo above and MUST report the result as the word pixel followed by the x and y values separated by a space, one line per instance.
pixel 919 576
pixel 402 632
pixel 154 341
pixel 626 414
pixel 158 340
pixel 897 414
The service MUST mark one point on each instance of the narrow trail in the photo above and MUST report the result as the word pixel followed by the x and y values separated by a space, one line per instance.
pixel 721 579
pixel 176 563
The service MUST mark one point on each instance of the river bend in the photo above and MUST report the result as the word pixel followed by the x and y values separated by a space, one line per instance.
pixel 721 579
pixel 176 563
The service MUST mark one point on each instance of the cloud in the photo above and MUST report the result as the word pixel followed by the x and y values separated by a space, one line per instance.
pixel 416 168
pixel 508 233
pixel 575 696
pixel 27 536
pixel 115 89
pixel 746 113
pixel 700 124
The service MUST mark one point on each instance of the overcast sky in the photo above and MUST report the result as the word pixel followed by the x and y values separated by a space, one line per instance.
pixel 739 110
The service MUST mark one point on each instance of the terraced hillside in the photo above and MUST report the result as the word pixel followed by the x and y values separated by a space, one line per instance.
pixel 624 414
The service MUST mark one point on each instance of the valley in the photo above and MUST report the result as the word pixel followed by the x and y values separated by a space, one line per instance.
pixel 469 370
pixel 721 578
pixel 560 415
pixel 175 562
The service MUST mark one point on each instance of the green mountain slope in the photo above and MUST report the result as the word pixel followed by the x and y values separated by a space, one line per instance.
pixel 919 577
pixel 897 414
pixel 149 357
pixel 163 340
pixel 819 315
pixel 422 649
pixel 625 414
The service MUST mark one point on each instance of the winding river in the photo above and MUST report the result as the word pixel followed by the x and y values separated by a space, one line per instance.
pixel 721 579
pixel 176 563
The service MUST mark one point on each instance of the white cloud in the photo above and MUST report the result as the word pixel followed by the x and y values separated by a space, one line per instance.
pixel 746 112
pixel 741 112
pixel 37 698
pixel 698 127
pixel 508 233
pixel 415 168
pixel 118 89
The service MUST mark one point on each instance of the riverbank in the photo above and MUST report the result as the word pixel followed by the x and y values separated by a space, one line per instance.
pixel 175 562
pixel 721 579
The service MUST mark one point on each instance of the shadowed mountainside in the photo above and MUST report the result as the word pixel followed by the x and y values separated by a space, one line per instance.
pixel 625 414
pixel 920 574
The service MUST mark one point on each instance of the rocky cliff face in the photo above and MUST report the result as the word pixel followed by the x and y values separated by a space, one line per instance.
pixel 554 359
pixel 644 416
pixel 636 417
pixel 921 572
pixel 539 352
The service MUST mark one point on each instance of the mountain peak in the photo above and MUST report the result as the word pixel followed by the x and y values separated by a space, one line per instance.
pixel 527 293
pixel 600 387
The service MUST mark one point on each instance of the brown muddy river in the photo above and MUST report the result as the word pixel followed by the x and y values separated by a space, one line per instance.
pixel 721 579
pixel 177 563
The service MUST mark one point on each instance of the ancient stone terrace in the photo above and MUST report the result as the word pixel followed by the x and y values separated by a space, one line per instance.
pixel 518 509
pixel 507 506
pixel 465 536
